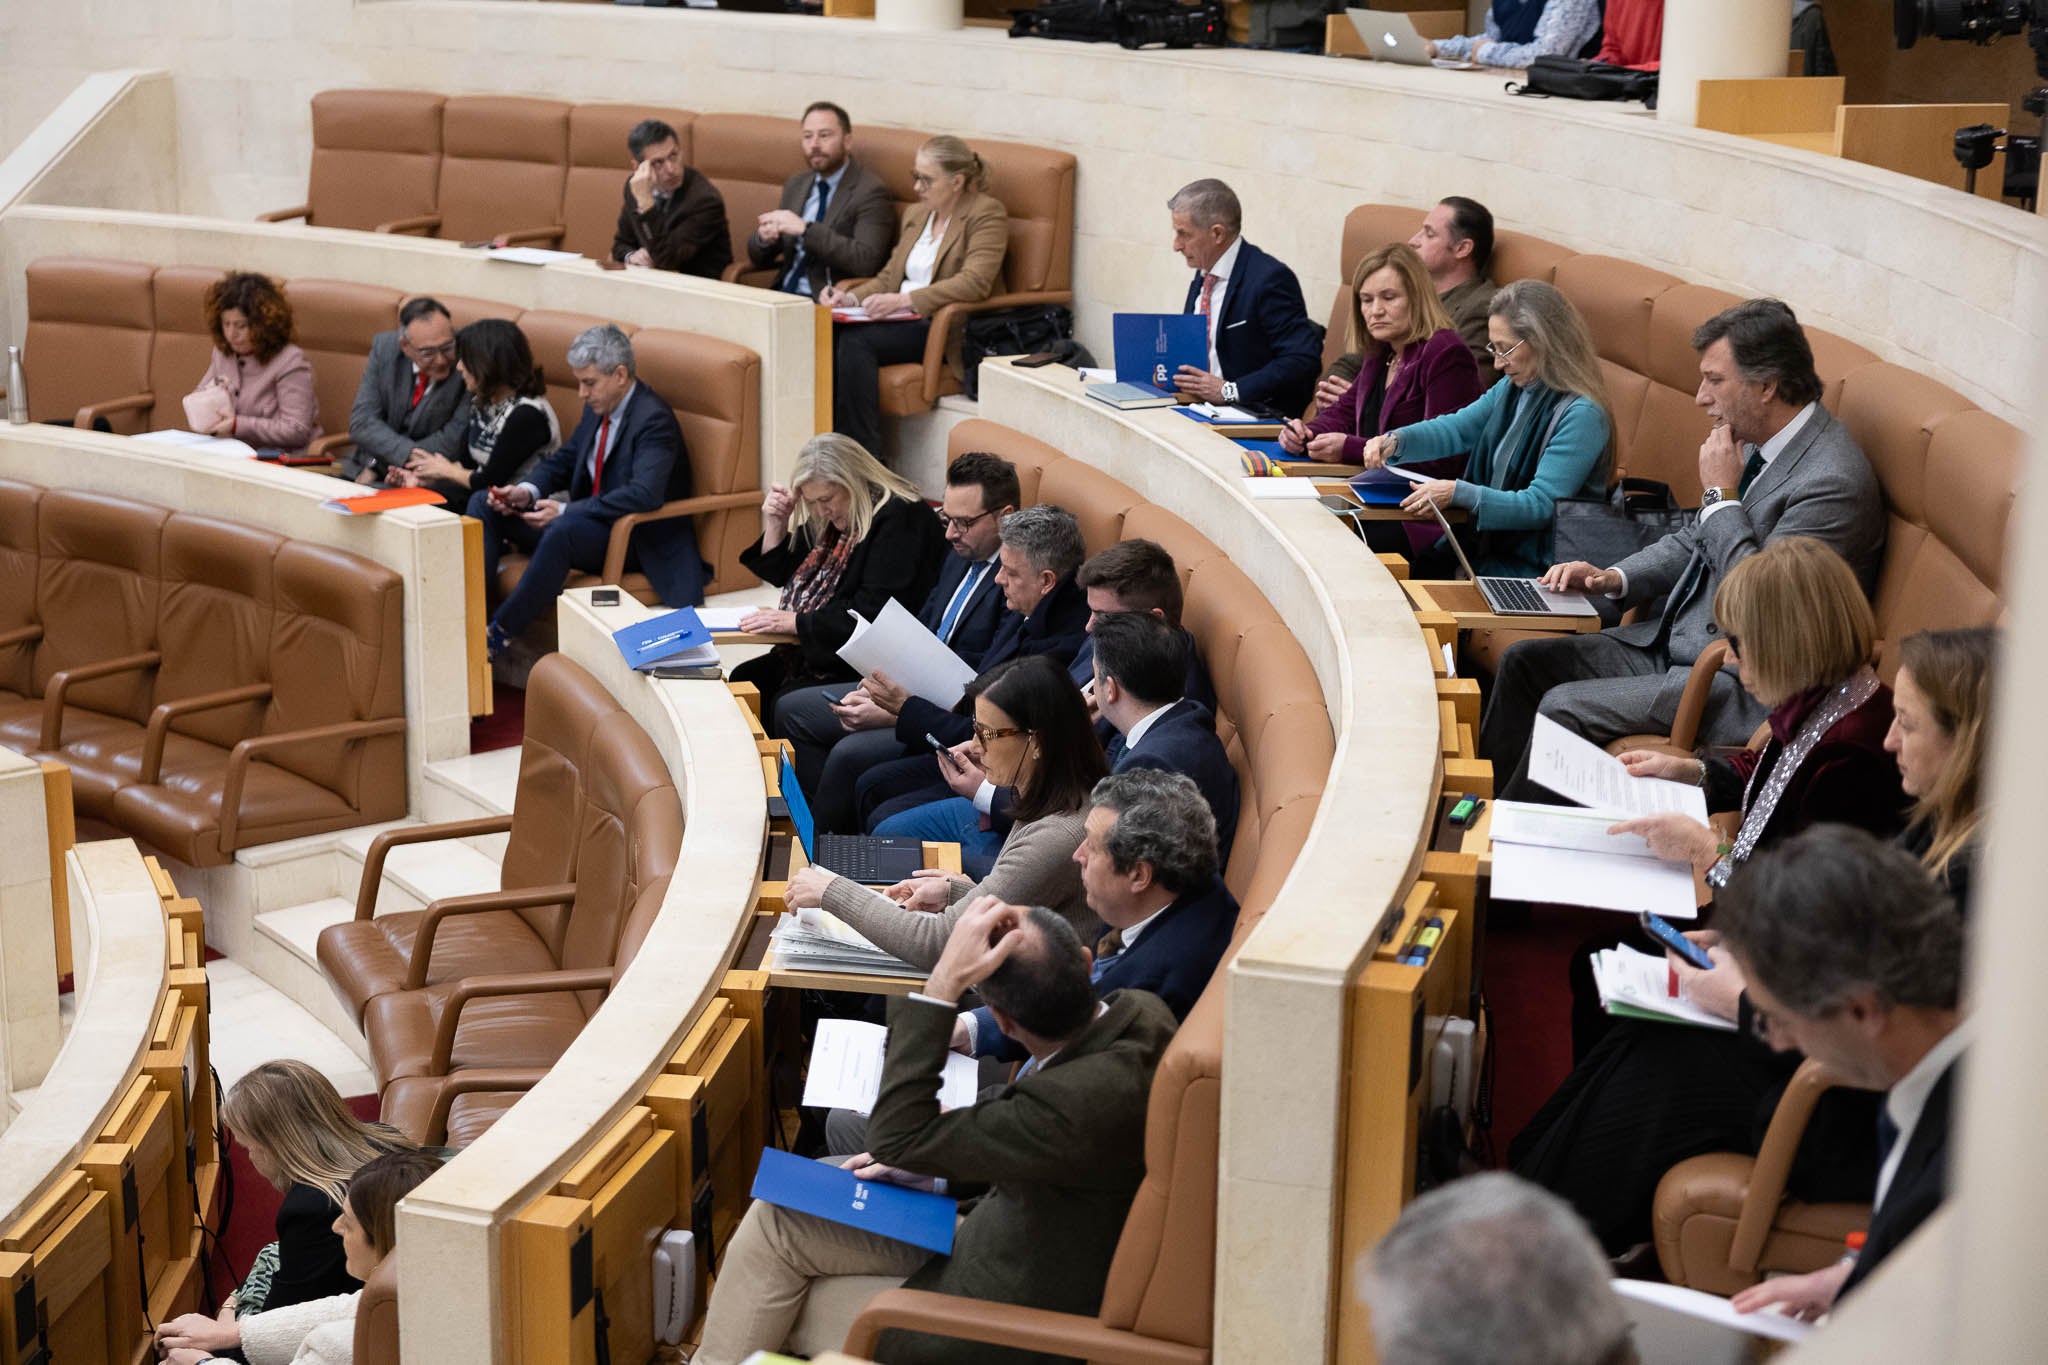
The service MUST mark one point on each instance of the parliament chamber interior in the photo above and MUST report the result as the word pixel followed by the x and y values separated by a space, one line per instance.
pixel 502 501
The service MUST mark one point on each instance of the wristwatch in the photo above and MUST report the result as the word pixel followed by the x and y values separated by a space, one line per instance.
pixel 1714 495
pixel 1229 392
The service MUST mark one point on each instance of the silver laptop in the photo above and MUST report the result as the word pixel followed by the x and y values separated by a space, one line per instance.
pixel 1516 596
pixel 1390 36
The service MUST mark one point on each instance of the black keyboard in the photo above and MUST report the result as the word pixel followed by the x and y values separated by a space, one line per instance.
pixel 870 858
pixel 1515 594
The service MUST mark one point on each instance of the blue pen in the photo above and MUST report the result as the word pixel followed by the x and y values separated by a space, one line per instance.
pixel 658 641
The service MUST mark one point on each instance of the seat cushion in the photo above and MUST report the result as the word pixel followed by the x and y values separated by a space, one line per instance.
pixel 408 1106
pixel 500 1031
pixel 366 959
pixel 470 1116
pixel 180 814
pixel 104 754
pixel 902 389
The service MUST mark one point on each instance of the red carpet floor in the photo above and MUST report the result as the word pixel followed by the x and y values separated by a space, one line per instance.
pixel 253 1220
pixel 1531 1002
pixel 506 724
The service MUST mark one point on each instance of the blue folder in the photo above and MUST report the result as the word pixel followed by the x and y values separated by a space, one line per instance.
pixel 1381 488
pixel 1151 347
pixel 918 1217
pixel 660 638
pixel 1272 450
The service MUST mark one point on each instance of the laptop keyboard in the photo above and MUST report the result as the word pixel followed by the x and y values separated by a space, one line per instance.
pixel 1515 594
pixel 866 858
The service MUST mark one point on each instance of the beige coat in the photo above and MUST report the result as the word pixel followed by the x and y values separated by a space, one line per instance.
pixel 970 263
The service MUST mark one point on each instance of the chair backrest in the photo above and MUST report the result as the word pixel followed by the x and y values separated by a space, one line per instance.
pixel 715 388
pixel 564 706
pixel 89 327
pixel 335 321
pixel 595 185
pixel 630 836
pixel 549 334
pixel 215 617
pixel 376 1340
pixel 182 347
pixel 747 157
pixel 504 159
pixel 376 157
pixel 1036 185
pixel 19 556
pixel 1097 501
pixel 98 574
pixel 889 152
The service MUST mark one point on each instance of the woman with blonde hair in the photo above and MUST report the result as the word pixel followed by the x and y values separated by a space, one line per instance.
pixel 950 250
pixel 844 535
pixel 303 1138
pixel 1941 713
pixel 1415 366
pixel 1546 434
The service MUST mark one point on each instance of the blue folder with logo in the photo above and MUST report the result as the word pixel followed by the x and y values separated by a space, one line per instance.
pixel 1150 349
pixel 661 639
pixel 833 1193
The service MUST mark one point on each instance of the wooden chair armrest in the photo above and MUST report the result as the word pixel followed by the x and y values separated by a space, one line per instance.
pixel 1009 1324
pixel 943 322
pixel 326 447
pixel 134 402
pixel 20 635
pixel 481 1081
pixel 548 236
pixel 507 983
pixel 249 750
pixel 622 529
pixel 160 721
pixel 424 223
pixel 386 840
pixel 60 683
pixel 1692 703
pixel 286 215
pixel 1773 1166
pixel 526 898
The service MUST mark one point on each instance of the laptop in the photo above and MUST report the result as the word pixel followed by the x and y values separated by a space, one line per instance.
pixel 1516 596
pixel 866 858
pixel 1390 36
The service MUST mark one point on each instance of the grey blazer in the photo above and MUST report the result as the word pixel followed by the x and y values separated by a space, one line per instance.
pixel 851 241
pixel 383 431
pixel 1821 486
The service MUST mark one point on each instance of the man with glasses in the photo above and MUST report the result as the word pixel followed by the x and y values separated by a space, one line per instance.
pixel 410 398
pixel 672 218
pixel 836 730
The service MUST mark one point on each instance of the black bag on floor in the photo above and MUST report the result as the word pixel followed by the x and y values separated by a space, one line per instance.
pixel 1027 330
pixel 1581 78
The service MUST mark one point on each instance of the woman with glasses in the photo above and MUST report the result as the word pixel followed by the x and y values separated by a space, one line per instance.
pixel 511 425
pixel 844 535
pixel 1031 732
pixel 1804 638
pixel 1414 364
pixel 950 250
pixel 1546 434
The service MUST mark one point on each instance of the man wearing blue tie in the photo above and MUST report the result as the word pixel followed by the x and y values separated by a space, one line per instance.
pixel 836 730
pixel 836 220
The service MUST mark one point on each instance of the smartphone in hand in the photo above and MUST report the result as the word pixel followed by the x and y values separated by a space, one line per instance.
pixel 1661 929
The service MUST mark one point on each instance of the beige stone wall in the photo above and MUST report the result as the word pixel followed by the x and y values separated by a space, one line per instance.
pixel 1917 272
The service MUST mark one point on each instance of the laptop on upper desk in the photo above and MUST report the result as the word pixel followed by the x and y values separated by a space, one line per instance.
pixel 1390 36
pixel 1516 596
pixel 871 859
pixel 1150 349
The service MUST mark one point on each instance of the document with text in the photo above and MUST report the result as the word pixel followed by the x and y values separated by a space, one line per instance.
pixel 1586 773
pixel 846 1069
pixel 903 647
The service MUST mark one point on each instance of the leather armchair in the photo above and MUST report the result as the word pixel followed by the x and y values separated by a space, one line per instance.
pixel 1009 1324
pixel 1684 739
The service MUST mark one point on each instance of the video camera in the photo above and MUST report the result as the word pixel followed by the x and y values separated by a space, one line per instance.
pixel 1981 21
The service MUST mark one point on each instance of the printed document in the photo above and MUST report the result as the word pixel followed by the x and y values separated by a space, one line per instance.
pixel 900 645
pixel 846 1069
pixel 723 618
pixel 1586 773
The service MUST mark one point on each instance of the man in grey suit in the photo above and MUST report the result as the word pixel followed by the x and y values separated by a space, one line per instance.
pixel 410 397
pixel 1045 1165
pixel 1776 464
pixel 836 220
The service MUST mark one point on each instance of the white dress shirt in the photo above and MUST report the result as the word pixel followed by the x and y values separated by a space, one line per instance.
pixel 1225 263
pixel 1137 732
pixel 924 257
pixel 1907 1100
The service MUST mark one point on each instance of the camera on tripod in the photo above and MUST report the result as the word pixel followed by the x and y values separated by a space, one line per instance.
pixel 1981 21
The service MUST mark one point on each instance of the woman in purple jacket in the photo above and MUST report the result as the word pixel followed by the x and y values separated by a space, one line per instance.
pixel 269 381
pixel 1415 365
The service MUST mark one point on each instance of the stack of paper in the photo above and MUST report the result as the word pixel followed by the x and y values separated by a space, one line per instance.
pixel 904 647
pixel 817 941
pixel 1557 853
pixel 846 1069
pixel 1637 985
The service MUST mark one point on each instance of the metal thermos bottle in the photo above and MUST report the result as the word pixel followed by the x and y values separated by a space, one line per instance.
pixel 17 388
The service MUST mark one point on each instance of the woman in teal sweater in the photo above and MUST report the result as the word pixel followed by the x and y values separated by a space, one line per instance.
pixel 1545 434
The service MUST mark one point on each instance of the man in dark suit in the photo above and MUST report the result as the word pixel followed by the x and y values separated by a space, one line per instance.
pixel 1263 346
pixel 626 455
pixel 1140 666
pixel 1062 1146
pixel 836 220
pixel 1136 575
pixel 1854 957
pixel 672 217
pixel 410 397
pixel 1776 464
pixel 836 729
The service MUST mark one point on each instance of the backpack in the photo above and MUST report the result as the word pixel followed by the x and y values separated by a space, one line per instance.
pixel 1581 78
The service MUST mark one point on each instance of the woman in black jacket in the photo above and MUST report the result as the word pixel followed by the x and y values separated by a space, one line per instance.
pixel 844 535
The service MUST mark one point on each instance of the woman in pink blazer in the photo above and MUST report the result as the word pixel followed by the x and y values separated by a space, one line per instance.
pixel 1415 367
pixel 269 381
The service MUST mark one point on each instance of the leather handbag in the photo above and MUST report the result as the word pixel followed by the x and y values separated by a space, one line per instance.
pixel 1605 531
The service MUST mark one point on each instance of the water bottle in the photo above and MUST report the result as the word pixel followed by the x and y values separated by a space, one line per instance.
pixel 17 388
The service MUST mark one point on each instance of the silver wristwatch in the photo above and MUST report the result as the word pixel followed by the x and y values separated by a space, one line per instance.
pixel 1229 392
pixel 1714 495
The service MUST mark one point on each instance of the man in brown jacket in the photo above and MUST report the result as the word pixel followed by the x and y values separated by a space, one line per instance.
pixel 672 217
pixel 1045 1166
pixel 836 220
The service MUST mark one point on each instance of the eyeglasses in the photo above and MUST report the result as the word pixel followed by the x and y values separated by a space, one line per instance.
pixel 1493 348
pixel 964 523
pixel 985 736
pixel 1734 643
pixel 920 182
pixel 445 349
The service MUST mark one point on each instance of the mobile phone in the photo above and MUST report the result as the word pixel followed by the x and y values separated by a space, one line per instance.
pixel 1659 928
pixel 1036 360
pixel 944 751
pixel 604 597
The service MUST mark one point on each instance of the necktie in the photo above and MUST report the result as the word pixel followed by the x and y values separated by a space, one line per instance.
pixel 1887 1135
pixel 795 272
pixel 1115 750
pixel 961 596
pixel 1208 292
pixel 604 432
pixel 419 388
pixel 1751 467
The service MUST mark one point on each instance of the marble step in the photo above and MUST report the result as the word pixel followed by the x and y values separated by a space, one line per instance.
pixel 470 787
pixel 416 874
pixel 297 927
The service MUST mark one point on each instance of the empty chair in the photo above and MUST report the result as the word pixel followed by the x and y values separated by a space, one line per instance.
pixel 376 160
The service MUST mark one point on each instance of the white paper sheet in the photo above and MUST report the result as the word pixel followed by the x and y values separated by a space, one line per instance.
pixel 210 445
pixel 1584 772
pixel 1711 1308
pixel 1265 488
pixel 901 646
pixel 530 255
pixel 846 1069
pixel 1603 881
pixel 1631 977
pixel 1520 822
pixel 723 618
pixel 1095 374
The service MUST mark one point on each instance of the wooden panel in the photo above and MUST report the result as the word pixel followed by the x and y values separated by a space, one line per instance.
pixel 47 1214
pixel 1918 140
pixel 476 617
pixel 690 1057
pixel 628 1216
pixel 1777 105
pixel 607 1155
pixel 63 826
pixel 548 1328
pixel 72 1260
pixel 110 1168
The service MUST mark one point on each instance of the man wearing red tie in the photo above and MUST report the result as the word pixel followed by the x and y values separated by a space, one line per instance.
pixel 1263 347
pixel 625 456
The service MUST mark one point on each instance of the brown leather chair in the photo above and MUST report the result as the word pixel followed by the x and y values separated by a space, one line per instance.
pixel 747 157
pixel 87 344
pixel 1723 1221
pixel 599 163
pixel 20 628
pixel 182 347
pixel 376 1341
pixel 504 160
pixel 1036 184
pixel 1097 501
pixel 335 321
pixel 376 159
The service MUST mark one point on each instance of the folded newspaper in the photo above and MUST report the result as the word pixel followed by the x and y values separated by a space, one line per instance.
pixel 815 941
pixel 1637 985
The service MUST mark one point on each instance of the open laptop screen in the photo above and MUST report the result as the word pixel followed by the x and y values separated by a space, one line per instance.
pixel 799 809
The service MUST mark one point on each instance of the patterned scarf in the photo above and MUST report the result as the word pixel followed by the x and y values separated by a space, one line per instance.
pixel 815 580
